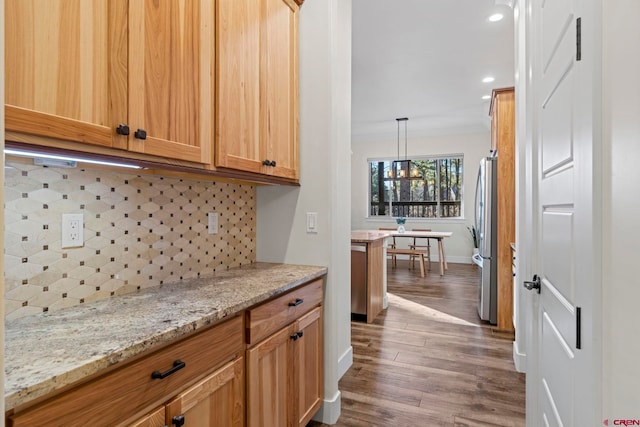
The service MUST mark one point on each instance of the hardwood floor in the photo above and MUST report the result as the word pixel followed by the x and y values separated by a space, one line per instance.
pixel 429 361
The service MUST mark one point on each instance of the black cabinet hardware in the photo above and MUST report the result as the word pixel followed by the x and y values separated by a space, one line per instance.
pixel 140 134
pixel 177 365
pixel 294 337
pixel 122 129
pixel 178 420
pixel 298 301
pixel 273 163
pixel 300 334
pixel 267 162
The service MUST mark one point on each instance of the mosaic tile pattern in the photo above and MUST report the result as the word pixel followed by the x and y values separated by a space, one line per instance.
pixel 139 231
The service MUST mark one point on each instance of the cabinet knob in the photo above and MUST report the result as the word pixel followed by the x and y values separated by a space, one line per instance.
pixel 294 337
pixel 123 129
pixel 267 162
pixel 300 334
pixel 273 163
pixel 178 420
pixel 140 134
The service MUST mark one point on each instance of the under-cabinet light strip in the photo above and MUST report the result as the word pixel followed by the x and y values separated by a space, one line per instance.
pixel 34 154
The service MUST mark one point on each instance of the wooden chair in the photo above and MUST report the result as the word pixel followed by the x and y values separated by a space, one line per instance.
pixel 391 246
pixel 416 246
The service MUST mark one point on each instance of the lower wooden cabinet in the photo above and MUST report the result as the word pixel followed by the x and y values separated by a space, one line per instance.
pixel 218 400
pixel 127 393
pixel 267 370
pixel 154 419
pixel 284 374
pixel 308 361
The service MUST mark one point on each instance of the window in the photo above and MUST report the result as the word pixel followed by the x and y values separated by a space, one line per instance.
pixel 427 187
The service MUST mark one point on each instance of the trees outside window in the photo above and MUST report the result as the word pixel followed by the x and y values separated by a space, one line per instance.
pixel 429 187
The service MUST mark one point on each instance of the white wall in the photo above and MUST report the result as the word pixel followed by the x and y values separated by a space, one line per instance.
pixel 325 126
pixel 621 232
pixel 474 146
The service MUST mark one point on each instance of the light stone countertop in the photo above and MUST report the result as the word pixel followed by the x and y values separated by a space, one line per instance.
pixel 46 352
pixel 366 236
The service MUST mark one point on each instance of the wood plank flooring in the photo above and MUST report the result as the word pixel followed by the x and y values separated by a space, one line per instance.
pixel 428 360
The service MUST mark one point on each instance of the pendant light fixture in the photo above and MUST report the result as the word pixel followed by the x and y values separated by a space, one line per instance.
pixel 400 169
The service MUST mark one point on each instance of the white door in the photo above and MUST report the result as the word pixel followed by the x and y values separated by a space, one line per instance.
pixel 564 382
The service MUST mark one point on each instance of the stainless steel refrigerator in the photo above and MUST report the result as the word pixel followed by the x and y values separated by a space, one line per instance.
pixel 485 223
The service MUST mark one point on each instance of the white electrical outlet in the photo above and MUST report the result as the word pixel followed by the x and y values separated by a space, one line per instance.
pixel 72 230
pixel 213 223
pixel 312 222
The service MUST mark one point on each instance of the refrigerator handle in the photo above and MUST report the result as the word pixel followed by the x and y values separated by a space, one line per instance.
pixel 475 213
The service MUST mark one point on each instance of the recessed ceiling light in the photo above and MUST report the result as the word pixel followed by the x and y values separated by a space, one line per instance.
pixel 496 17
pixel 488 79
pixel 485 97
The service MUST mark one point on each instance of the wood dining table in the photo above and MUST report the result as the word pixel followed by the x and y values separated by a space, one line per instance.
pixel 437 235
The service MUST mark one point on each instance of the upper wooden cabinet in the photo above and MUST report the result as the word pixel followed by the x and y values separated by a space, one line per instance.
pixel 65 69
pixel 257 87
pixel 503 141
pixel 76 70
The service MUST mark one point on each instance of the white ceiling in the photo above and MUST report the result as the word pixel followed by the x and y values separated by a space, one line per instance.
pixel 425 59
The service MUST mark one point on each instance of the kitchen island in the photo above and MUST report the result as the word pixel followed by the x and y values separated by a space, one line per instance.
pixel 55 351
pixel 368 273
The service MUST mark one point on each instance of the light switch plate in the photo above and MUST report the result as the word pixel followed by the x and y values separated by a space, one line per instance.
pixel 213 223
pixel 72 231
pixel 312 222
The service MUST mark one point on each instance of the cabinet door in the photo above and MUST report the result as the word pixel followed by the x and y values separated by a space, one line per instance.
pixel 279 86
pixel 237 85
pixel 308 361
pixel 270 381
pixel 65 69
pixel 154 419
pixel 170 93
pixel 216 401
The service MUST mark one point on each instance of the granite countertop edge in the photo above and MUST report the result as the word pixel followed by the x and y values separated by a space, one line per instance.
pixel 33 373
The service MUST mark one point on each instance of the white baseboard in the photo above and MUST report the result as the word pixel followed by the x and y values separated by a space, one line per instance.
pixel 329 412
pixel 519 359
pixel 345 361
pixel 385 302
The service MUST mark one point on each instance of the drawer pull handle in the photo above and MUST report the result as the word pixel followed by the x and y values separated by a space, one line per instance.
pixel 177 365
pixel 298 301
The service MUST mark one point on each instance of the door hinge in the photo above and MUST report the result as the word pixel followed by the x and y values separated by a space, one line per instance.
pixel 578 327
pixel 579 39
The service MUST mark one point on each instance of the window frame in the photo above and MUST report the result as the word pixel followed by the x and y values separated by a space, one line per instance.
pixel 387 217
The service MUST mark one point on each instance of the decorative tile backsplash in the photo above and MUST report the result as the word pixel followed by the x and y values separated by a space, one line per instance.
pixel 139 231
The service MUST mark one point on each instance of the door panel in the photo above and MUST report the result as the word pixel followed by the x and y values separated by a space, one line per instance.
pixel 270 368
pixel 558 385
pixel 169 50
pixel 64 73
pixel 557 228
pixel 278 65
pixel 238 83
pixel 217 400
pixel 558 121
pixel 565 229
pixel 556 17
pixel 308 358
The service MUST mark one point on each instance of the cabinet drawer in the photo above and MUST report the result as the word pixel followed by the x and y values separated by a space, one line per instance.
pixel 120 394
pixel 267 318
